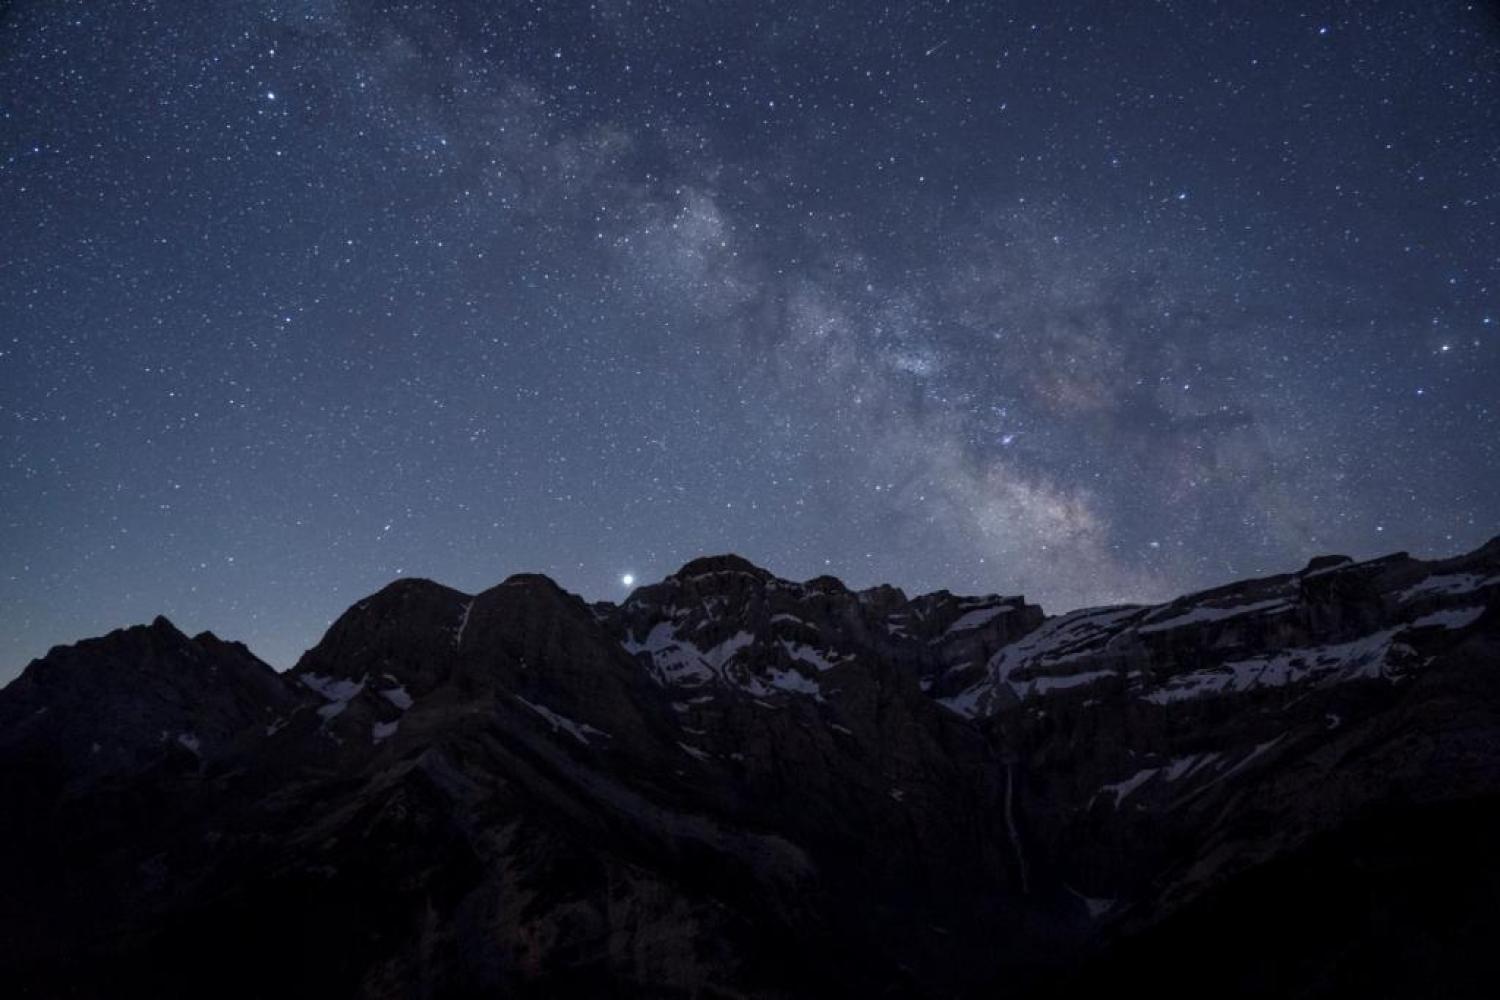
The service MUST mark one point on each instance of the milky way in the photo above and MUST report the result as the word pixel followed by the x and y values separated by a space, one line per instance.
pixel 1096 305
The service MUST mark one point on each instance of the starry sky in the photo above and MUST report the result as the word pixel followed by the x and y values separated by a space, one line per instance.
pixel 1091 302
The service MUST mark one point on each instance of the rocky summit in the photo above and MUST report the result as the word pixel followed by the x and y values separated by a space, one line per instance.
pixel 735 785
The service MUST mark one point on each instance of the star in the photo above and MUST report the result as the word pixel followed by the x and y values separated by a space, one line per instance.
pixel 485 283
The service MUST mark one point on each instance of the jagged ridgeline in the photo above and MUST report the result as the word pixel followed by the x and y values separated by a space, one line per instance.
pixel 737 785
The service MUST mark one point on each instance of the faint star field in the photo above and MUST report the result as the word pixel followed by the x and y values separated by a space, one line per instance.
pixel 1095 304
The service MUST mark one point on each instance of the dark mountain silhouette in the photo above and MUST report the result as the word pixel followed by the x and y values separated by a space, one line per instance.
pixel 737 785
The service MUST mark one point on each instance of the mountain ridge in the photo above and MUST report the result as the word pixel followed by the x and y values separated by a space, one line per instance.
pixel 734 784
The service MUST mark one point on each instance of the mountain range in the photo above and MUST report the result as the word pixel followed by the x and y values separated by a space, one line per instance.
pixel 736 785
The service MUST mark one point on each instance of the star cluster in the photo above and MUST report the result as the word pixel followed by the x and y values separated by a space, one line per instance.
pixel 1092 302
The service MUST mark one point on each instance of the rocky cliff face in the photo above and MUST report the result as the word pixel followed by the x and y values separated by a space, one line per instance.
pixel 737 785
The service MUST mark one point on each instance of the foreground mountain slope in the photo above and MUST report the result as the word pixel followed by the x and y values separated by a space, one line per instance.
pixel 733 784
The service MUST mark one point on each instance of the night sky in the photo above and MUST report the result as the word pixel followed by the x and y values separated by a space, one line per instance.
pixel 1092 305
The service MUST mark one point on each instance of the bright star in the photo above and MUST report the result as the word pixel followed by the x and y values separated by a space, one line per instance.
pixel 628 580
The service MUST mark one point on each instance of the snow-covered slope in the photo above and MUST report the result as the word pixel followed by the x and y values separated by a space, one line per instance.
pixel 1330 624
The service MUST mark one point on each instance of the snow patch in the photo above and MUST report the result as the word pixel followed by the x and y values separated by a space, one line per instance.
pixel 1447 584
pixel 1182 767
pixel 725 651
pixel 1096 907
pixel 1042 685
pixel 383 730
pixel 1362 658
pixel 1058 641
pixel 694 752
pixel 397 696
pixel 807 654
pixel 971 620
pixel 1255 752
pixel 676 662
pixel 1450 618
pixel 334 688
pixel 790 681
pixel 1211 613
pixel 338 691
pixel 1121 789
pixel 580 731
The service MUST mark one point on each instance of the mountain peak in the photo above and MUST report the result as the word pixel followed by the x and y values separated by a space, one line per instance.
pixel 1317 563
pixel 407 585
pixel 826 583
pixel 161 623
pixel 727 563
pixel 541 580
